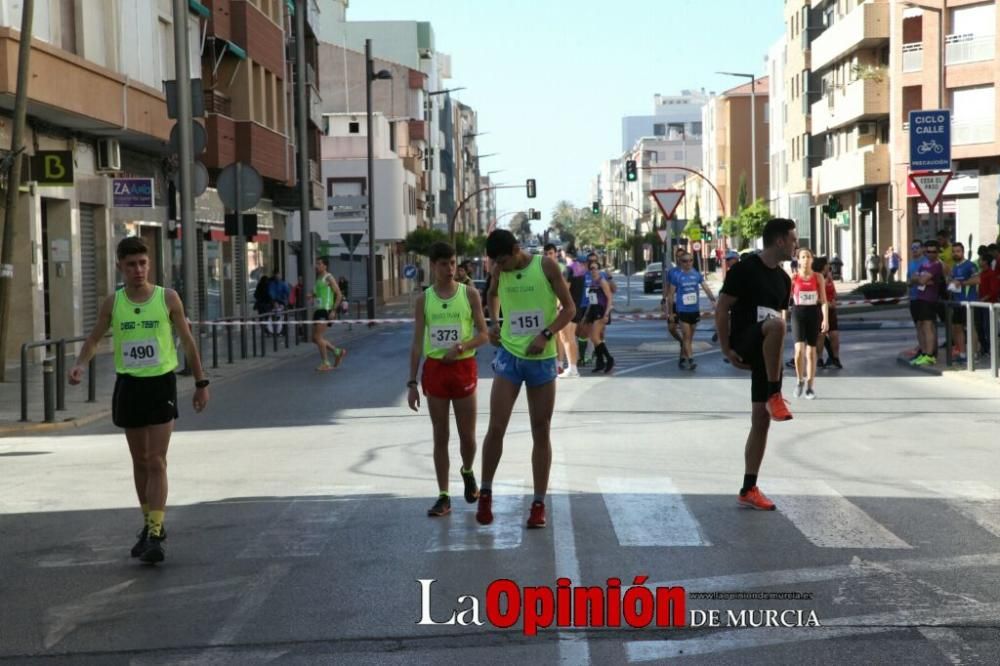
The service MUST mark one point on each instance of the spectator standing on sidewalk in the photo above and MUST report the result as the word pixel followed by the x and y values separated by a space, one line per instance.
pixel 873 264
pixel 929 280
pixel 890 264
pixel 963 289
pixel 912 268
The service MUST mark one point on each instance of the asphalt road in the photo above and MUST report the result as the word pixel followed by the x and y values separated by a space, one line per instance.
pixel 298 534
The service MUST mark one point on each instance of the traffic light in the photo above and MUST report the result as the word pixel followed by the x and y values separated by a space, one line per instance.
pixel 531 188
pixel 595 208
pixel 631 172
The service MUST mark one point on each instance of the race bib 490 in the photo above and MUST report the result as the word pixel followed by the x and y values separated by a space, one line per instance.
pixel 141 353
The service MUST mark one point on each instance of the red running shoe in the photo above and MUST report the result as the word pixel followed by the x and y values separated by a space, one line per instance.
pixel 777 407
pixel 754 499
pixel 537 517
pixel 484 512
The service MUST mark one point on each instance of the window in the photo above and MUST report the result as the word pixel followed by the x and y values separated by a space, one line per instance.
pixel 353 127
pixel 767 112
pixel 659 129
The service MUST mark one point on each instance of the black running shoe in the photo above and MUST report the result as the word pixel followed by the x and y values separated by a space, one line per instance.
pixel 154 550
pixel 143 540
pixel 691 364
pixel 598 365
pixel 441 508
pixel 681 363
pixel 836 364
pixel 471 489
pixel 609 366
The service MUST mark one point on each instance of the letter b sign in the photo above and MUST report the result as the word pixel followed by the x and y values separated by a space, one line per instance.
pixel 52 167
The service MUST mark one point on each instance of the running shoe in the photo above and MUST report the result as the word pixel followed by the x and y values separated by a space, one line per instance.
pixel 324 367
pixel 715 337
pixel 441 508
pixel 790 364
pixel 571 374
pixel 599 366
pixel 471 489
pixel 777 407
pixel 799 387
pixel 143 540
pixel 338 356
pixel 681 363
pixel 536 518
pixel 610 365
pixel 821 364
pixel 922 361
pixel 960 359
pixel 153 552
pixel 484 512
pixel 754 499
pixel 810 394
pixel 691 364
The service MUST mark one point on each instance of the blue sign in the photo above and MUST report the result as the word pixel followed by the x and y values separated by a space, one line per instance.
pixel 930 140
pixel 132 192
pixel 409 271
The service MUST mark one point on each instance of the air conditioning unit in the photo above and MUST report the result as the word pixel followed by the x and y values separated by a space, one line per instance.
pixel 864 128
pixel 109 155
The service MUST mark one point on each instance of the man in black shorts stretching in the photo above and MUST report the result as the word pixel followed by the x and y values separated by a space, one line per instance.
pixel 756 293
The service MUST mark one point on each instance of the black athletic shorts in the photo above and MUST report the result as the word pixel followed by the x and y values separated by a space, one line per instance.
pixel 581 312
pixel 322 314
pixel 594 312
pixel 144 401
pixel 914 310
pixel 805 323
pixel 691 318
pixel 926 311
pixel 749 344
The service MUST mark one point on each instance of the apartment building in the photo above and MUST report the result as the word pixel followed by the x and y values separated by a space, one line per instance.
pixel 672 114
pixel 945 55
pixel 727 147
pixel 465 129
pixel 96 92
pixel 850 121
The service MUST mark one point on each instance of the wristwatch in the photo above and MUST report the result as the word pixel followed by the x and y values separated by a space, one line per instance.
pixel 201 383
pixel 547 333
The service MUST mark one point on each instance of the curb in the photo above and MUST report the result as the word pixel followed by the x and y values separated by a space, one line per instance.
pixel 33 427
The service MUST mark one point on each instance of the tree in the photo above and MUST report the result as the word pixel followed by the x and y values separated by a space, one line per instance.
pixel 520 226
pixel 753 219
pixel 420 240
pixel 697 213
pixel 564 218
pixel 741 202
pixel 729 227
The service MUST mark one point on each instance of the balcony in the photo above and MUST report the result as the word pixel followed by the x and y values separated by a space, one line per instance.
pixel 315 107
pixel 861 168
pixel 969 47
pixel 859 100
pixel 217 102
pixel 972 131
pixel 913 57
pixel 865 27
pixel 263 149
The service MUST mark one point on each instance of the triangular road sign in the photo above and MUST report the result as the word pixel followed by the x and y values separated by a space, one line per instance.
pixel 667 200
pixel 930 185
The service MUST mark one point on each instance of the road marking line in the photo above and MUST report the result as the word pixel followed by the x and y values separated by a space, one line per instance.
pixel 951 645
pixel 839 627
pixel 974 499
pixel 574 650
pixel 257 591
pixel 302 529
pixel 619 373
pixel 827 518
pixel 462 533
pixel 650 512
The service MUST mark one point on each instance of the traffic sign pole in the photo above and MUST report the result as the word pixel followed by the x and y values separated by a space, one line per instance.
pixel 240 247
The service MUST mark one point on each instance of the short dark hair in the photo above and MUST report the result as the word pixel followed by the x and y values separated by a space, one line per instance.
pixel 500 243
pixel 931 243
pixel 440 250
pixel 323 261
pixel 958 244
pixel 942 233
pixel 131 245
pixel 549 246
pixel 777 228
pixel 819 263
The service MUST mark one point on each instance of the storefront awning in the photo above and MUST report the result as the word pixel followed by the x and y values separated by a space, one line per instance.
pixel 199 9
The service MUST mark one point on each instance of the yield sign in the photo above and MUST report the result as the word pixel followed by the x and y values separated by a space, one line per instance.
pixel 667 200
pixel 930 185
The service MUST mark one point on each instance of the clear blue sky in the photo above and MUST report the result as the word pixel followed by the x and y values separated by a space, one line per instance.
pixel 551 79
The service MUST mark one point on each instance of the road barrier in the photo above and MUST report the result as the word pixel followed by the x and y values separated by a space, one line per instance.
pixel 59 370
pixel 974 326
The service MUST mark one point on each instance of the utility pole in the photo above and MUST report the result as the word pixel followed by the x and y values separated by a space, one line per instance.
pixel 185 120
pixel 369 77
pixel 14 179
pixel 301 121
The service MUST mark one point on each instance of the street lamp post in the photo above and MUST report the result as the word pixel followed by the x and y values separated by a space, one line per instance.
pixel 371 75
pixel 753 127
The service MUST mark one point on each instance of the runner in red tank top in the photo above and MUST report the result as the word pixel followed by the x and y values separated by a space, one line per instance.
pixel 809 317
pixel 831 338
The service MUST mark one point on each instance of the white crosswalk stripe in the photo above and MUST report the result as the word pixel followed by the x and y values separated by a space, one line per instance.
pixel 827 518
pixel 650 512
pixel 977 500
pixel 463 533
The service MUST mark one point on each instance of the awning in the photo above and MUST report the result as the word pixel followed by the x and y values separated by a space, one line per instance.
pixel 237 51
pixel 199 9
pixel 225 46
pixel 291 7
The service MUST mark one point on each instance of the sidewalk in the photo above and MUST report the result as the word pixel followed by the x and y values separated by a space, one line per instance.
pixel 79 412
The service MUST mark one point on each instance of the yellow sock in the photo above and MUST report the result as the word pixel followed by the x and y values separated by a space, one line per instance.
pixel 155 523
pixel 145 511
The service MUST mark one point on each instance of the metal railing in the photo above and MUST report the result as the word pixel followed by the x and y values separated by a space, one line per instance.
pixel 974 330
pixel 969 47
pixel 59 372
pixel 913 57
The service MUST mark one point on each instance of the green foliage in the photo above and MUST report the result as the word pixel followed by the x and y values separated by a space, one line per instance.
pixel 697 213
pixel 729 227
pixel 753 219
pixel 688 231
pixel 469 246
pixel 420 240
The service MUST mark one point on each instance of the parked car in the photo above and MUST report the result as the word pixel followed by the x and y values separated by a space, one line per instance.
pixel 652 278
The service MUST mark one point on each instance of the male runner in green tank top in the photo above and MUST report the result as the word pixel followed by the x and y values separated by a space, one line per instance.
pixel 528 289
pixel 326 299
pixel 143 318
pixel 448 327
